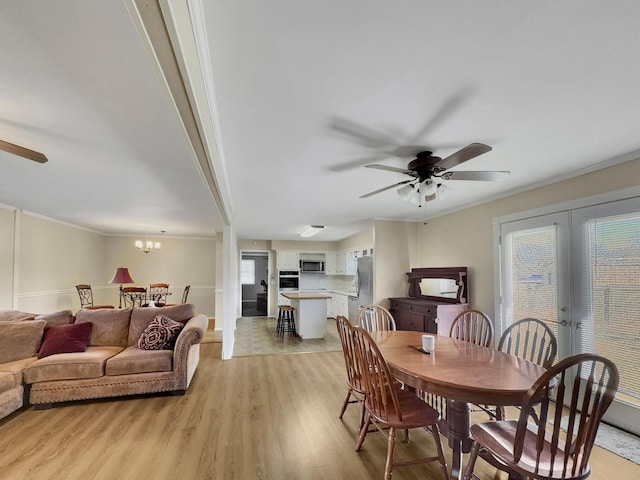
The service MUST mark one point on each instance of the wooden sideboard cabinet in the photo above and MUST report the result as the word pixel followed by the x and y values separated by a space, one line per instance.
pixel 422 315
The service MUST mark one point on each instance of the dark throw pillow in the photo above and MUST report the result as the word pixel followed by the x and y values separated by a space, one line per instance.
pixel 65 339
pixel 161 334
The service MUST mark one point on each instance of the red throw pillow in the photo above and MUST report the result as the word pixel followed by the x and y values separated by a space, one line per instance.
pixel 161 334
pixel 66 339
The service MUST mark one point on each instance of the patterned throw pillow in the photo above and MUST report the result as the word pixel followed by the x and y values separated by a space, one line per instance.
pixel 160 334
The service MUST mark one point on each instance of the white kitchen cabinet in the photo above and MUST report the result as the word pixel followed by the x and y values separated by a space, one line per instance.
pixel 331 263
pixel 288 260
pixel 341 263
pixel 351 266
pixel 339 305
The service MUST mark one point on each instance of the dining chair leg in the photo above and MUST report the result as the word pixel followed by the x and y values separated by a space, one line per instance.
pixel 473 456
pixel 363 412
pixel 435 432
pixel 363 433
pixel 390 446
pixel 345 403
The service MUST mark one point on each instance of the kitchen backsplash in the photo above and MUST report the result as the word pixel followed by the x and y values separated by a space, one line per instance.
pixel 326 282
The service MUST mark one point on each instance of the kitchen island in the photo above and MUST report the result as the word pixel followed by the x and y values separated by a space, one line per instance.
pixel 310 314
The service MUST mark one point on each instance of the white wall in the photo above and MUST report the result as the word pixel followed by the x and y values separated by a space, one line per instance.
pixel 52 257
pixel 179 262
pixel 6 256
pixel 394 247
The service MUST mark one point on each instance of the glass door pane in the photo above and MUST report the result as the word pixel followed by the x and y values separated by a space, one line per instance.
pixel 534 272
pixel 607 295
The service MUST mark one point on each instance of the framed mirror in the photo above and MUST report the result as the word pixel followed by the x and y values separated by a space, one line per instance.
pixel 446 284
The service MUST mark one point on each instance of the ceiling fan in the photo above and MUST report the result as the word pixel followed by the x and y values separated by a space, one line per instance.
pixel 23 152
pixel 427 171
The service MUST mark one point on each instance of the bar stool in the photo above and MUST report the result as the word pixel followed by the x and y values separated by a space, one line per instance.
pixel 286 320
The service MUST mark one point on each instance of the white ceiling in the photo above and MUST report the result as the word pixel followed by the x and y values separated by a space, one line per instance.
pixel 551 86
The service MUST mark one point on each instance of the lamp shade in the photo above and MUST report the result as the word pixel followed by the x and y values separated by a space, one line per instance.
pixel 122 276
pixel 406 192
pixel 428 187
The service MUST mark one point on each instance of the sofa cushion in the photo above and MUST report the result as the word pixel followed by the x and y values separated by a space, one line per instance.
pixel 161 334
pixel 110 326
pixel 66 339
pixel 16 368
pixel 142 317
pixel 63 317
pixel 7 381
pixel 70 366
pixel 20 340
pixel 133 360
pixel 15 316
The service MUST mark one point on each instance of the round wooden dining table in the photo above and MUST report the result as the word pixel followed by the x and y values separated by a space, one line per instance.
pixel 461 372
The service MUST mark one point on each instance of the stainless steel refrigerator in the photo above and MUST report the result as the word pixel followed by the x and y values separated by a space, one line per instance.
pixel 364 281
pixel 364 287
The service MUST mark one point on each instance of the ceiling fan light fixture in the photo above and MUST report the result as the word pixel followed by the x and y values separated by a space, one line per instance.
pixel 406 192
pixel 311 230
pixel 416 198
pixel 428 187
pixel 443 191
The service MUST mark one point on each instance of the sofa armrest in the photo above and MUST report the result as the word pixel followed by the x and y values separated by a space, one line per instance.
pixel 192 333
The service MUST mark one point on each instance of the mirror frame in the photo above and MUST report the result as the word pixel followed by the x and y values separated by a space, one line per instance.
pixel 458 274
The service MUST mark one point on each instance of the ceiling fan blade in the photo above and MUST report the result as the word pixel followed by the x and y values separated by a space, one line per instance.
pixel 489 176
pixel 392 169
pixel 385 188
pixel 23 152
pixel 467 153
pixel 357 162
pixel 447 109
pixel 365 136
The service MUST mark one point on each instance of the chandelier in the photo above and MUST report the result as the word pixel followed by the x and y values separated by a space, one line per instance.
pixel 147 246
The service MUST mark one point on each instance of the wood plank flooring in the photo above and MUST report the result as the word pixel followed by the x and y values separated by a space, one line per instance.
pixel 263 417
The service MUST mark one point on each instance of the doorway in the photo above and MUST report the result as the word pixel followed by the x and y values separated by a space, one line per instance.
pixel 577 270
pixel 254 275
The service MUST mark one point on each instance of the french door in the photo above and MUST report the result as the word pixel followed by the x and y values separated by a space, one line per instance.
pixel 535 273
pixel 579 271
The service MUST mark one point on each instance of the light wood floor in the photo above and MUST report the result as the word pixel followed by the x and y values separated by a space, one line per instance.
pixel 263 417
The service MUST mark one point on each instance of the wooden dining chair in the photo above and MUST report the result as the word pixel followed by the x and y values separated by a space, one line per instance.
pixel 375 317
pixel 86 298
pixel 473 326
pixel 134 296
pixel 185 294
pixel 158 293
pixel 354 376
pixel 573 396
pixel 389 407
pixel 531 339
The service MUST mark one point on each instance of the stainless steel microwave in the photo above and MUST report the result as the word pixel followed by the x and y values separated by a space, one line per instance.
pixel 311 266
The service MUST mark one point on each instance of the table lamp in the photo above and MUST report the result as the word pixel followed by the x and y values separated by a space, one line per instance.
pixel 121 276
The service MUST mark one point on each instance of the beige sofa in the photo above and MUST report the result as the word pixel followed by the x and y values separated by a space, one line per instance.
pixel 111 364
pixel 20 338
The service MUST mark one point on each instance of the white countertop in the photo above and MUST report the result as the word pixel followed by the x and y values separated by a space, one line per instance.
pixel 328 291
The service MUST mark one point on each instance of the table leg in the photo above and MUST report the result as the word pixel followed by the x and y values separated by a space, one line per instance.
pixel 458 434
